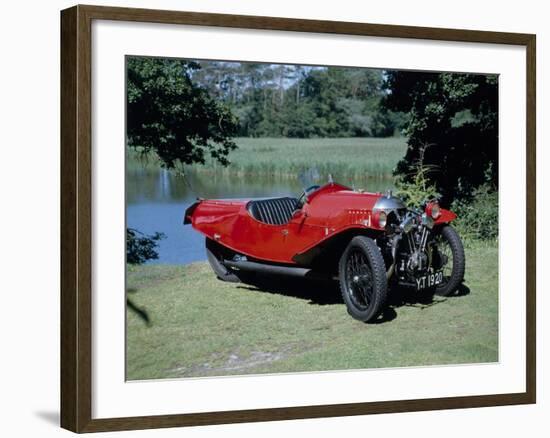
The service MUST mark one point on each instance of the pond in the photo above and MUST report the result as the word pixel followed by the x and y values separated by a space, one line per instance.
pixel 156 200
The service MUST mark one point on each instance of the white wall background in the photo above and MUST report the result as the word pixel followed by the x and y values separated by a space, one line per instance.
pixel 29 215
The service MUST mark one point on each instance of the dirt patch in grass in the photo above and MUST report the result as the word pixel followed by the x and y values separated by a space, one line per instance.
pixel 234 364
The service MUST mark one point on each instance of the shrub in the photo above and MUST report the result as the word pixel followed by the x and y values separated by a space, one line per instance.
pixel 478 216
pixel 416 188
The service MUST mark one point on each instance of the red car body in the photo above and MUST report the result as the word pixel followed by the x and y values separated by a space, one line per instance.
pixel 330 210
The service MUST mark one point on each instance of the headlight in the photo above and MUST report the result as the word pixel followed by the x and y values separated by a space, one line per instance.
pixel 380 219
pixel 433 210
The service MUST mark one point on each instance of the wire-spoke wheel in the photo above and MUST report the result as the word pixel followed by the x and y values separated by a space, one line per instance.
pixel 362 275
pixel 448 256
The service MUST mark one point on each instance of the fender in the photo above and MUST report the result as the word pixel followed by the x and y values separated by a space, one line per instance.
pixel 445 217
pixel 333 244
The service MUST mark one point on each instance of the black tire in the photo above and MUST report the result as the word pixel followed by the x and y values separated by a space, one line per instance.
pixel 456 276
pixel 362 275
pixel 215 254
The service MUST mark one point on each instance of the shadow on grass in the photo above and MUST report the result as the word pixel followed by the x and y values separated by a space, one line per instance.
pixel 327 292
pixel 319 292
pixel 140 312
pixel 399 297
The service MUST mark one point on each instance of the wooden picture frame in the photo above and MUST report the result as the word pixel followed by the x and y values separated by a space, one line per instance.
pixel 76 218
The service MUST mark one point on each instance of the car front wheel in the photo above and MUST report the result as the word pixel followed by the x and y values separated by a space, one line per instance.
pixel 448 255
pixel 362 275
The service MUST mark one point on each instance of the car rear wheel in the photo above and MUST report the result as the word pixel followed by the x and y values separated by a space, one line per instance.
pixel 215 253
pixel 362 275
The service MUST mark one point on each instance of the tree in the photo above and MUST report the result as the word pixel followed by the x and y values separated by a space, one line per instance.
pixel 173 117
pixel 454 118
pixel 140 247
pixel 279 100
pixel 169 115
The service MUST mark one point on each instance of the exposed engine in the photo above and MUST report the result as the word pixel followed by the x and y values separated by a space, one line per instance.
pixel 407 246
pixel 412 256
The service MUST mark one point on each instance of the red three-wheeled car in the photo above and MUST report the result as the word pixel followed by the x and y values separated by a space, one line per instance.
pixel 367 240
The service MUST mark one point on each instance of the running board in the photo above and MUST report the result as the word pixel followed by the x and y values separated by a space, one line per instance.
pixel 265 268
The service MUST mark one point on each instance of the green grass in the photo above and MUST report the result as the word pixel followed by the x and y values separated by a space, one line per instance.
pixel 284 157
pixel 200 326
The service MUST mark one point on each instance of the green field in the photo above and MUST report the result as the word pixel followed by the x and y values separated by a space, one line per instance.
pixel 199 326
pixel 342 157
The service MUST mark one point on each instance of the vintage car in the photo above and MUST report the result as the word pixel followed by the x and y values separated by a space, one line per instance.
pixel 368 241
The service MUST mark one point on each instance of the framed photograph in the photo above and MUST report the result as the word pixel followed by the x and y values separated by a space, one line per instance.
pixel 269 218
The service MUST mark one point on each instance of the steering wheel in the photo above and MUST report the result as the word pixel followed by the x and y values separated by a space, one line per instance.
pixel 303 197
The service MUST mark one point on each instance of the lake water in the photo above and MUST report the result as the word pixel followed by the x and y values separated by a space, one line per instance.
pixel 156 200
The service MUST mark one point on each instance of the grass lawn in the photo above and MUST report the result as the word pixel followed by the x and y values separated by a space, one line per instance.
pixel 200 326
pixel 343 157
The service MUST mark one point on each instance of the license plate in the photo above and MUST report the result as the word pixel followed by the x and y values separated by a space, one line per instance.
pixel 429 280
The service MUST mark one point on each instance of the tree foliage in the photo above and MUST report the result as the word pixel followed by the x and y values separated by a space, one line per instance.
pixel 171 115
pixel 277 100
pixel 140 247
pixel 456 115
pixel 176 119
